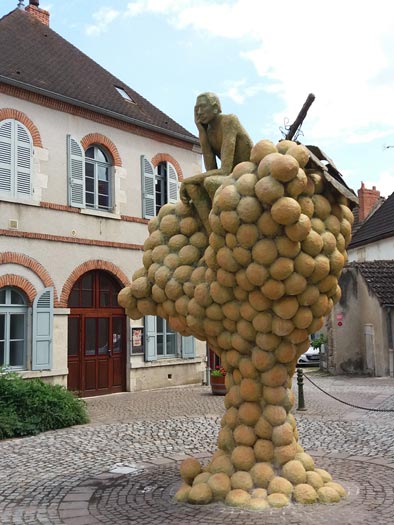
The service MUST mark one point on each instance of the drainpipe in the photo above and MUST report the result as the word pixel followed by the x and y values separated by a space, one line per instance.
pixel 390 339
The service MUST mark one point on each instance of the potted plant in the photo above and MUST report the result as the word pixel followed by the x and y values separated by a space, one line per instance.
pixel 218 375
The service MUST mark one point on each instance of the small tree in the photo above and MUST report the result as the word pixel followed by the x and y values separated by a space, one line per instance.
pixel 318 342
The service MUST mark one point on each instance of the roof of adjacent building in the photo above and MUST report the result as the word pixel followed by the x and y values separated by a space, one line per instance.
pixel 357 223
pixel 379 276
pixel 330 172
pixel 379 225
pixel 35 58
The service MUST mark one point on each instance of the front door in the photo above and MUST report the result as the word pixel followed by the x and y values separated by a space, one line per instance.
pixel 96 337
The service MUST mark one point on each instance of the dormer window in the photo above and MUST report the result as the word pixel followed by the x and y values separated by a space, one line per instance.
pixel 122 92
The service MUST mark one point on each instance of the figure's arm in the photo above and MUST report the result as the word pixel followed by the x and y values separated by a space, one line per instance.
pixel 231 126
pixel 207 152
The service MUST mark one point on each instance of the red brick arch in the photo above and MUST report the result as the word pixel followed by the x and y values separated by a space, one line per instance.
pixel 164 157
pixel 23 284
pixel 33 265
pixel 23 119
pixel 87 267
pixel 98 138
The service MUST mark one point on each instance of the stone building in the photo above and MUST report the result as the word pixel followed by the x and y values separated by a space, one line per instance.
pixel 361 325
pixel 85 161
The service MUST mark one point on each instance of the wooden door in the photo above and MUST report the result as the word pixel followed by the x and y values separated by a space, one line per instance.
pixel 96 337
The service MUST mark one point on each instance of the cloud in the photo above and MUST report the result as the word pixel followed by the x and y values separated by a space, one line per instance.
pixel 241 90
pixel 103 18
pixel 342 52
pixel 384 182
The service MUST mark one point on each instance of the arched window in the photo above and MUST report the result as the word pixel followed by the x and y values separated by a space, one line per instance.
pixel 13 318
pixel 159 186
pixel 90 175
pixel 16 154
pixel 97 179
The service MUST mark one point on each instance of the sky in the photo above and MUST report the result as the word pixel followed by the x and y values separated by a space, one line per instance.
pixel 262 59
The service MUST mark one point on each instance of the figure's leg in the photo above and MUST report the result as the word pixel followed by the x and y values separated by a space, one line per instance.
pixel 212 183
pixel 201 201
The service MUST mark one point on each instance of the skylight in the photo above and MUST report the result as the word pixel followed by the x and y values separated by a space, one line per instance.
pixel 122 92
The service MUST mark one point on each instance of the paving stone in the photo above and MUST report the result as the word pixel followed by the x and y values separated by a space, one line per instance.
pixel 64 477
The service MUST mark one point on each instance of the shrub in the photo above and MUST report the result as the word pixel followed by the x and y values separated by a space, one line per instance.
pixel 28 407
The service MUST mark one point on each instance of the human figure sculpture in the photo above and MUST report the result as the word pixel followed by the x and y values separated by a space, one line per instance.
pixel 254 285
pixel 221 137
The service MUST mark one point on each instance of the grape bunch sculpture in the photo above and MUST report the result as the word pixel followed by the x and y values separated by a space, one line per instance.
pixel 254 288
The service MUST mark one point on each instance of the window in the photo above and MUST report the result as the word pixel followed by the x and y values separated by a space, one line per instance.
pixel 166 339
pixel 16 154
pixel 97 179
pixel 89 176
pixel 18 337
pixel 125 95
pixel 161 341
pixel 94 289
pixel 159 186
pixel 13 317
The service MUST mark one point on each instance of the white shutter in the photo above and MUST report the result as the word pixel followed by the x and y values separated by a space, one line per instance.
pixel 42 330
pixel 188 347
pixel 172 183
pixel 76 173
pixel 6 156
pixel 148 189
pixel 150 338
pixel 23 156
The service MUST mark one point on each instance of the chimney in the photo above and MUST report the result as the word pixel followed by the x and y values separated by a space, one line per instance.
pixel 34 9
pixel 367 200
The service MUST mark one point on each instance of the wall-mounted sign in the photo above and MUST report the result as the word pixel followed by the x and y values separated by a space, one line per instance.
pixel 137 340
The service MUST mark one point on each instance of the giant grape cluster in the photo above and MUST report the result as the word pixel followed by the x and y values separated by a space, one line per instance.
pixel 254 288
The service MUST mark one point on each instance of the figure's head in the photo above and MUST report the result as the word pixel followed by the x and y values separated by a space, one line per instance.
pixel 207 107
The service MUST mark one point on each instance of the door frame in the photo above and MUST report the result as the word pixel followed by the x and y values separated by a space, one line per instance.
pixel 117 368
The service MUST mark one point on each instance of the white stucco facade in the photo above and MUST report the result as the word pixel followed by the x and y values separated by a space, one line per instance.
pixel 44 242
pixel 381 250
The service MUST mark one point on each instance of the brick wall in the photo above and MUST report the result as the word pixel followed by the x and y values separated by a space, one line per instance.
pixel 39 14
pixel 367 199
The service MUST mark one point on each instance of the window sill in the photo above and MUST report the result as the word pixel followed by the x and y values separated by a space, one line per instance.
pixel 99 213
pixel 30 374
pixel 13 200
pixel 166 362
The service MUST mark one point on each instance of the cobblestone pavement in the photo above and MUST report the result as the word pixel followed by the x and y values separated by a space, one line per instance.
pixel 122 468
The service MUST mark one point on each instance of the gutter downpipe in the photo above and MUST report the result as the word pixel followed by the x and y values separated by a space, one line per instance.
pixel 389 308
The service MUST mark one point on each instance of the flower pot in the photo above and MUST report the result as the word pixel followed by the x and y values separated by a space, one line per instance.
pixel 217 385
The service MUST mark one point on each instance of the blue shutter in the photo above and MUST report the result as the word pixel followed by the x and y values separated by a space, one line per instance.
pixel 42 330
pixel 148 189
pixel 6 156
pixel 76 173
pixel 150 338
pixel 23 161
pixel 188 351
pixel 172 183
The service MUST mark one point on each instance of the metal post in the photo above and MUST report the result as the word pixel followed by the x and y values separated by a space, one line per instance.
pixel 300 383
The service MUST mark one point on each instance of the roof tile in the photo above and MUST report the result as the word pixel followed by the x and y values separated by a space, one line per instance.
pixel 37 58
pixel 379 225
pixel 379 276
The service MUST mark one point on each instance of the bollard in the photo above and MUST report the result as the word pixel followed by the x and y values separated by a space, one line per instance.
pixel 300 383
